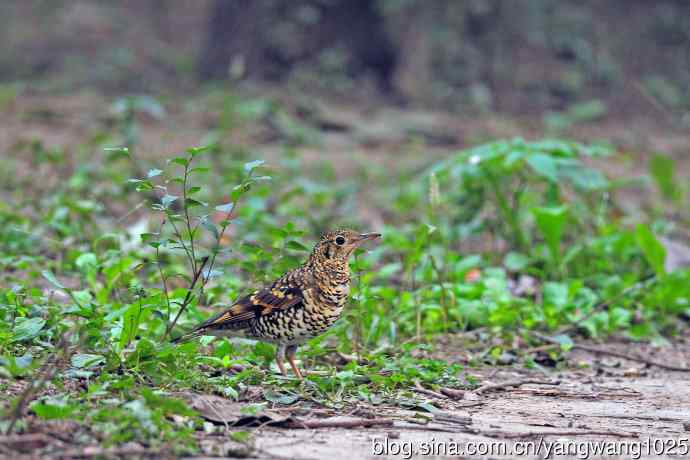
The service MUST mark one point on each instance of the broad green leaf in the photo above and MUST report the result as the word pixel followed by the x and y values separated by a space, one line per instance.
pixel 27 329
pixel 544 165
pixel 86 262
pixel 53 411
pixel 653 250
pixel 514 261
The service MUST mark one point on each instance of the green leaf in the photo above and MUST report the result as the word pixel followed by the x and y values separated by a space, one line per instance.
pixel 544 165
pixel 191 202
pixel 296 245
pixel 550 221
pixel 117 151
pixel 180 161
pixel 27 329
pixel 194 151
pixel 48 275
pixel 53 411
pixel 248 167
pixel 514 261
pixel 663 169
pixel 86 262
pixel 85 360
pixel 653 250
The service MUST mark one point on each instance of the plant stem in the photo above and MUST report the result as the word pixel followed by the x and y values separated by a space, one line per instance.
pixel 508 214
pixel 186 215
pixel 441 284
pixel 187 298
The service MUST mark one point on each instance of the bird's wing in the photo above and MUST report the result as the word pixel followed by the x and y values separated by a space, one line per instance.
pixel 260 303
pixel 283 294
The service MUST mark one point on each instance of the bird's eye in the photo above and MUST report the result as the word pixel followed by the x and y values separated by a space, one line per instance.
pixel 340 241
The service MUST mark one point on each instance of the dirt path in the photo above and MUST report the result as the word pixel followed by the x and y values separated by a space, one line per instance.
pixel 636 405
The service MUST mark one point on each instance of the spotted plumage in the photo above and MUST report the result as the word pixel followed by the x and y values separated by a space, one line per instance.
pixel 299 305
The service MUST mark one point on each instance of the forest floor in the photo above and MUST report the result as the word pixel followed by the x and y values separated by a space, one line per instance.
pixel 588 402
pixel 588 397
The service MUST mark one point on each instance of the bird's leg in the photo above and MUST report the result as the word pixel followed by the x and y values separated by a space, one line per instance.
pixel 290 353
pixel 280 359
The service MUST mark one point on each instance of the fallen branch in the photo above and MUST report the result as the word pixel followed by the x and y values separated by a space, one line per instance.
pixel 330 423
pixel 420 389
pixel 617 354
pixel 453 393
pixel 106 452
pixel 513 383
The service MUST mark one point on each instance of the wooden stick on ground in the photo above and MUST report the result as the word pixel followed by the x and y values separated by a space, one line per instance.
pixel 617 354
pixel 330 423
pixel 514 383
pixel 420 389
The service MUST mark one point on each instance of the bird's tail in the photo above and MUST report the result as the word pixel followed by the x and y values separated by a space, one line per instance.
pixel 188 336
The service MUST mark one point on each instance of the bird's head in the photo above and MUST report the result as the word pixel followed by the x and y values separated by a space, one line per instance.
pixel 338 245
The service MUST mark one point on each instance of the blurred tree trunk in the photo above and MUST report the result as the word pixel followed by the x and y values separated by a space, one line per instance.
pixel 247 34
pixel 412 76
pixel 233 38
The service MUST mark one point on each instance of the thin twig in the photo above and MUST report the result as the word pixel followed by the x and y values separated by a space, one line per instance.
pixel 420 389
pixel 186 215
pixel 187 298
pixel 164 279
pixel 224 226
pixel 330 423
pixel 440 275
pixel 514 383
pixel 452 393
pixel 617 354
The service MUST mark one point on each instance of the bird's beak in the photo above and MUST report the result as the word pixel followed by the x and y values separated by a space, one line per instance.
pixel 368 236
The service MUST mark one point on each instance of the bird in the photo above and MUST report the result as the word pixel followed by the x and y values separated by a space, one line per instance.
pixel 302 304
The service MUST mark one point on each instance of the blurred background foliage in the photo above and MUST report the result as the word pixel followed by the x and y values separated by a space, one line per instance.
pixel 473 55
